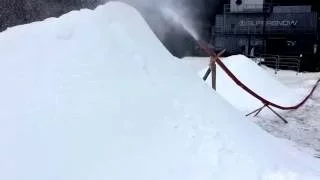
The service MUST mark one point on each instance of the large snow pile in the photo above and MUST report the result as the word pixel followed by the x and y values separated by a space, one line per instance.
pixel 94 95
pixel 253 76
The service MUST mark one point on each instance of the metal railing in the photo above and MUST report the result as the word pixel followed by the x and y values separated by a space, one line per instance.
pixel 290 62
pixel 279 62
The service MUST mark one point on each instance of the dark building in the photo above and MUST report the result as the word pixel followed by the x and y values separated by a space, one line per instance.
pixel 257 27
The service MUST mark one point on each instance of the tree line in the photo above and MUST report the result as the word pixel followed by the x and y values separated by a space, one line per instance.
pixel 16 12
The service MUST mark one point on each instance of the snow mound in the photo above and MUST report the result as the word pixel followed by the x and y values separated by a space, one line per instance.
pixel 95 95
pixel 253 76
pixel 256 79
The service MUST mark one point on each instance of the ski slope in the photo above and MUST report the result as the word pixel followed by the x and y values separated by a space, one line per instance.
pixel 252 75
pixel 95 95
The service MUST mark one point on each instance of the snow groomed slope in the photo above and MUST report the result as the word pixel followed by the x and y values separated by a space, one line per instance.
pixel 95 95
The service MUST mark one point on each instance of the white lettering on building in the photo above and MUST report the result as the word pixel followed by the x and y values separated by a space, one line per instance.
pixel 268 23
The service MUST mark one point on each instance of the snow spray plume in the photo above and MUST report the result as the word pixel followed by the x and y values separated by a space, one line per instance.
pixel 176 12
pixel 177 19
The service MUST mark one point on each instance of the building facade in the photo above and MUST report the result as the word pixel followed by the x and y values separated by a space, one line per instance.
pixel 259 27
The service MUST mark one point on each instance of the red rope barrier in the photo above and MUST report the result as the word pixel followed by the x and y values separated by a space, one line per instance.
pixel 266 102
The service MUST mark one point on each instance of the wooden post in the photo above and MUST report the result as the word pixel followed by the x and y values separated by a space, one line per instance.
pixel 213 72
pixel 205 77
pixel 212 68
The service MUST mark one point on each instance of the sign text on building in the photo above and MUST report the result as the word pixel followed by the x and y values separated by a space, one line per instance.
pixel 268 23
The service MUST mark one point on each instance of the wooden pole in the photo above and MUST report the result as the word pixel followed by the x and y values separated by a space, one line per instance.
pixel 213 72
pixel 205 77
pixel 212 68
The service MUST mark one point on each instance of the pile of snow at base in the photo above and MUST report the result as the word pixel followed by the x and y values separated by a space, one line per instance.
pixel 253 76
pixel 94 95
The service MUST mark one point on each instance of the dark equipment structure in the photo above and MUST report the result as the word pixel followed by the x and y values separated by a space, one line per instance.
pixel 287 36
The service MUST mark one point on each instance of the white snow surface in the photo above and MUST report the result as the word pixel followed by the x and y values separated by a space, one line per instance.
pixel 284 87
pixel 304 125
pixel 253 76
pixel 95 95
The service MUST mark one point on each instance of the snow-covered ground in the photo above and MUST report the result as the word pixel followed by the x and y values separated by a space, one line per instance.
pixel 95 95
pixel 304 123
pixel 286 87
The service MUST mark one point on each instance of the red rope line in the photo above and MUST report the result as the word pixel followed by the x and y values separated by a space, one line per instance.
pixel 205 47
